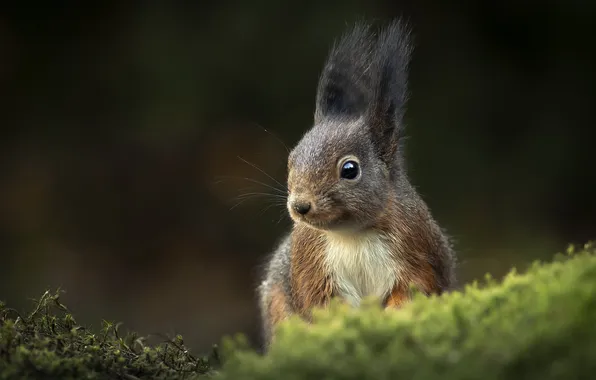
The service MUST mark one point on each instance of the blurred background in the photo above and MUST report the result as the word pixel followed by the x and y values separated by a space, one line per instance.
pixel 125 126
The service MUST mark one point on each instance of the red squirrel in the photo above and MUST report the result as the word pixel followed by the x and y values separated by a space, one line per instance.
pixel 360 229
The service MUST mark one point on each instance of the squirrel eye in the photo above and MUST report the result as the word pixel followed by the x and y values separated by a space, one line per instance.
pixel 349 170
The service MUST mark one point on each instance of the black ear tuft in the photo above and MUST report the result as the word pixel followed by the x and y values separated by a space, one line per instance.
pixel 345 84
pixel 366 74
pixel 387 107
pixel 392 60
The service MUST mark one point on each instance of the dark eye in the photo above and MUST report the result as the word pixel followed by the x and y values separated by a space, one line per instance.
pixel 349 170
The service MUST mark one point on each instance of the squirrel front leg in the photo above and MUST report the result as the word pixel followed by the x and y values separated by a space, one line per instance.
pixel 399 295
pixel 424 280
pixel 276 310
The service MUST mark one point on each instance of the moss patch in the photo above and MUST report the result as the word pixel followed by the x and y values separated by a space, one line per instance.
pixel 537 325
pixel 540 325
pixel 49 344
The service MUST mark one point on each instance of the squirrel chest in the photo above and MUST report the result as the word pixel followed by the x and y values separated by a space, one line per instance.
pixel 360 265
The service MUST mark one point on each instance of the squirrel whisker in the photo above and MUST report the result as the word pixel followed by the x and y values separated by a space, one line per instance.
pixel 282 213
pixel 276 199
pixel 280 191
pixel 274 136
pixel 262 171
pixel 272 205
pixel 263 194
pixel 241 201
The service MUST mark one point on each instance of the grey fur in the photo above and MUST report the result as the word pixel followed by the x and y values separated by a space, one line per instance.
pixel 277 271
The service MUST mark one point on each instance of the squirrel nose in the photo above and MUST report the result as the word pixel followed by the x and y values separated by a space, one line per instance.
pixel 302 207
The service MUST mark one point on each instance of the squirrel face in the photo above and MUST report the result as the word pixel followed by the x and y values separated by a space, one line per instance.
pixel 336 180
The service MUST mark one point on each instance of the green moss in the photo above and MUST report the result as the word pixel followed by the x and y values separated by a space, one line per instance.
pixel 540 325
pixel 49 344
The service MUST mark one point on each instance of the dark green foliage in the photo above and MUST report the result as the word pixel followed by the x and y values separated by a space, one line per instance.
pixel 48 344
pixel 540 325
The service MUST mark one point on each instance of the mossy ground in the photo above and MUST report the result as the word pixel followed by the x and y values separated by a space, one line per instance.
pixel 539 325
pixel 49 344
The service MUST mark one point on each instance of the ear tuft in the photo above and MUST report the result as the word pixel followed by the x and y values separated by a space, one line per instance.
pixel 345 85
pixel 392 60
pixel 366 75
pixel 390 89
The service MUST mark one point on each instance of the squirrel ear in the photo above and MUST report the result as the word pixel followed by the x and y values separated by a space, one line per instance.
pixel 366 76
pixel 344 89
pixel 390 89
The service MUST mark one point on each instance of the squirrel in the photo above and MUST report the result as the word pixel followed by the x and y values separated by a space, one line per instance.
pixel 360 229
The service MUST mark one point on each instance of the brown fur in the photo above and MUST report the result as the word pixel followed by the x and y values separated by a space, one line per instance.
pixel 311 284
pixel 278 305
pixel 420 244
pixel 415 249
pixel 398 297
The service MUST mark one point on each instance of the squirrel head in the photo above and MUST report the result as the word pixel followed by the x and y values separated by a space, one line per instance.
pixel 343 171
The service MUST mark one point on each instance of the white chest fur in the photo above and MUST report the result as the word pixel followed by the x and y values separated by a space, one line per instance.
pixel 361 265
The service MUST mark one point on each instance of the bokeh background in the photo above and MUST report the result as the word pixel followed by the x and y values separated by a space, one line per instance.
pixel 125 126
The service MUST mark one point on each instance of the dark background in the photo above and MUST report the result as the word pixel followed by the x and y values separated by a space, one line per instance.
pixel 122 123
